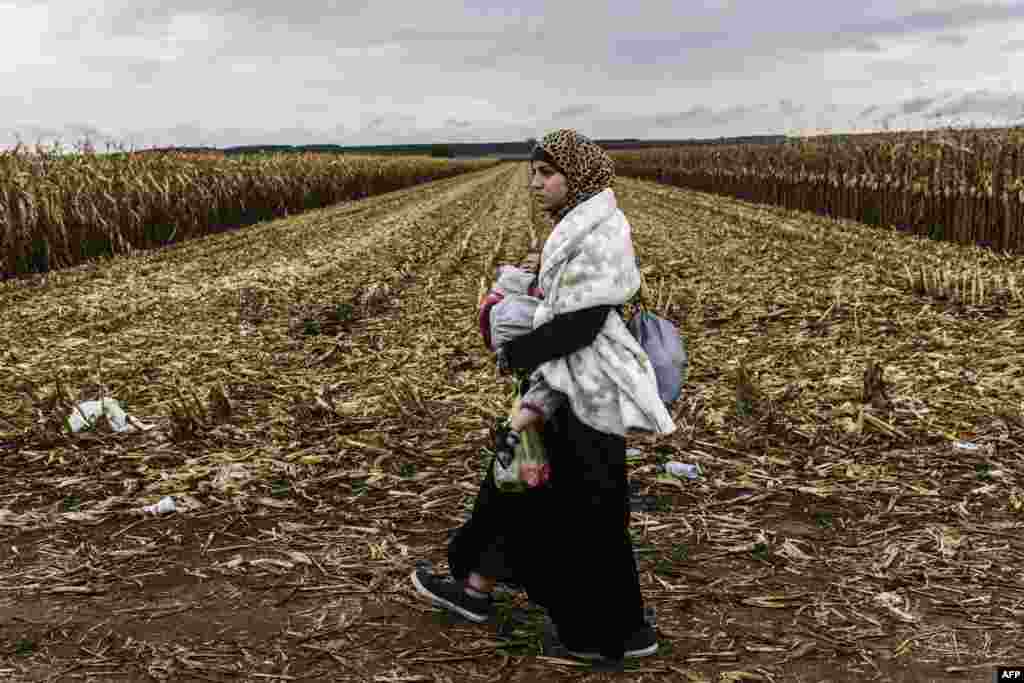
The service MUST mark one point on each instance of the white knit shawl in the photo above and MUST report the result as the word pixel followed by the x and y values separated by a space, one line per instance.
pixel 589 261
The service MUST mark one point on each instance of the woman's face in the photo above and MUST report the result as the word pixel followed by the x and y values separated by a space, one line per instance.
pixel 548 185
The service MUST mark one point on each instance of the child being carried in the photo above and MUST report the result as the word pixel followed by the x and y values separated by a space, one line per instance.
pixel 506 312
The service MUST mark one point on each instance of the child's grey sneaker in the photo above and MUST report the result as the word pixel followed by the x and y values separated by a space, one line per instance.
pixel 643 643
pixel 450 594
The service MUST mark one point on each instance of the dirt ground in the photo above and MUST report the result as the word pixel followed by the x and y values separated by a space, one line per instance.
pixel 830 558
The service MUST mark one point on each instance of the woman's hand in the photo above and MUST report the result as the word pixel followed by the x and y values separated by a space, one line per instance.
pixel 501 358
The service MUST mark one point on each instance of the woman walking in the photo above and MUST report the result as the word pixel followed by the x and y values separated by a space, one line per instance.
pixel 568 543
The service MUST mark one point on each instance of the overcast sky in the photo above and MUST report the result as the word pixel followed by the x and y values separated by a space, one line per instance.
pixel 223 72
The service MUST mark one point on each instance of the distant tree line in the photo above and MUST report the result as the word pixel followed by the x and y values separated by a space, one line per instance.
pixel 503 150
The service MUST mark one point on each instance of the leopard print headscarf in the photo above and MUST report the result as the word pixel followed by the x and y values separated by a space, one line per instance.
pixel 587 168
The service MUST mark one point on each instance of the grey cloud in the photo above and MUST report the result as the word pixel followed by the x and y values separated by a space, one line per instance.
pixel 421 35
pixel 906 70
pixel 128 17
pixel 488 60
pixel 954 40
pixel 130 20
pixel 1006 106
pixel 618 54
pixel 868 111
pixel 688 116
pixel 732 114
pixel 787 107
pixel 940 20
pixel 697 122
pixel 982 105
pixel 139 71
pixel 247 29
pixel 857 43
pixel 475 48
pixel 313 107
pixel 192 134
pixel 520 63
pixel 458 41
pixel 144 71
pixel 573 111
pixel 86 130
pixel 916 105
pixel 224 137
pixel 702 115
pixel 301 135
pixel 478 48
pixel 395 124
pixel 459 38
pixel 188 131
pixel 654 49
pixel 823 27
pixel 333 86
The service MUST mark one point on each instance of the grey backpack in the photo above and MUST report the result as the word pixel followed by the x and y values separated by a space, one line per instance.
pixel 663 344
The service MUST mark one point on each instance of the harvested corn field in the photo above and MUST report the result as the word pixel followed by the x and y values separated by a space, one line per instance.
pixel 317 396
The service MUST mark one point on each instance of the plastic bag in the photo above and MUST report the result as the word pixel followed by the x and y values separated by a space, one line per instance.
pixel 662 343
pixel 85 415
pixel 529 468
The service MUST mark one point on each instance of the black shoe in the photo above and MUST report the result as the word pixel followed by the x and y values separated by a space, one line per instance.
pixel 451 594
pixel 643 643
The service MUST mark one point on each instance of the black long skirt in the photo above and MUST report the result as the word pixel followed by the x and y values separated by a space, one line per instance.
pixel 568 545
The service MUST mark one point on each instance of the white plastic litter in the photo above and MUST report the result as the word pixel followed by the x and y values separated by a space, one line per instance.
pixel 162 507
pixel 86 414
pixel 964 446
pixel 680 469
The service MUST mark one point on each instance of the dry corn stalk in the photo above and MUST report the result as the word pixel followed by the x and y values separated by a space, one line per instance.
pixel 874 390
pixel 374 296
pixel 965 285
pixel 220 404
pixel 747 394
pixel 910 181
pixel 61 210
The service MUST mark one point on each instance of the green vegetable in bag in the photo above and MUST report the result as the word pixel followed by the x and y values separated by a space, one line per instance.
pixel 529 468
